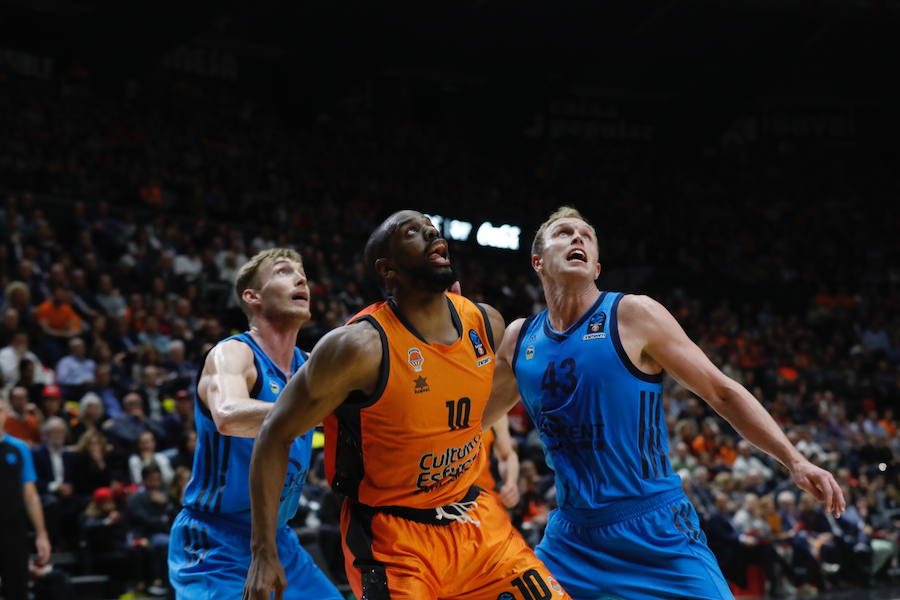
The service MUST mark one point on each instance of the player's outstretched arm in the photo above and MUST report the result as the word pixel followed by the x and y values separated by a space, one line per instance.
pixel 508 463
pixel 504 390
pixel 665 342
pixel 229 374
pixel 345 360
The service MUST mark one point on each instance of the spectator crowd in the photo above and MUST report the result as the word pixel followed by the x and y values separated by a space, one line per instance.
pixel 113 291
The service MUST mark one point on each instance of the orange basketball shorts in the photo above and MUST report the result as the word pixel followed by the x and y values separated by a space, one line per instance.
pixel 394 553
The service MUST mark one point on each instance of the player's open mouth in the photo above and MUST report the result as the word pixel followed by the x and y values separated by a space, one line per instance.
pixel 300 297
pixel 437 253
pixel 577 255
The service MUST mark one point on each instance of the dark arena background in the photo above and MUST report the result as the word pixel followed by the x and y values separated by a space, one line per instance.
pixel 739 161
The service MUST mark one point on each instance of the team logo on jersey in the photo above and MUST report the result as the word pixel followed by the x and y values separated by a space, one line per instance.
pixel 529 352
pixel 506 596
pixel 554 584
pixel 414 355
pixel 12 458
pixel 421 385
pixel 274 387
pixel 480 350
pixel 595 327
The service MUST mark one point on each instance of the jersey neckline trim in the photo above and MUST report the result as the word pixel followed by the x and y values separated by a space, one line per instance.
pixel 281 374
pixel 559 337
pixel 454 315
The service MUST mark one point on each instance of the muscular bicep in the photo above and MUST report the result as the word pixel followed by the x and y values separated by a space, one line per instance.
pixel 228 374
pixel 346 360
pixel 668 345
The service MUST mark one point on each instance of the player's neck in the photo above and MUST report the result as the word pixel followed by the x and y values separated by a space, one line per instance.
pixel 429 314
pixel 277 342
pixel 566 304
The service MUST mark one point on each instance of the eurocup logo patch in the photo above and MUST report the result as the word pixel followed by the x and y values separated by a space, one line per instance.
pixel 529 349
pixel 476 344
pixel 274 387
pixel 414 355
pixel 595 326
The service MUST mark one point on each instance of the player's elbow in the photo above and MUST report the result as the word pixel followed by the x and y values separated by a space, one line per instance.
pixel 723 391
pixel 224 419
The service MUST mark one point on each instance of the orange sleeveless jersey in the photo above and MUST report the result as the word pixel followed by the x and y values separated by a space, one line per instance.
pixel 416 442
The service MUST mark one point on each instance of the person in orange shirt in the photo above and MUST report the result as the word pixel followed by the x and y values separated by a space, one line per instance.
pixel 56 315
pixel 402 389
pixel 727 450
pixel 59 322
pixel 24 420
pixel 705 443
pixel 888 423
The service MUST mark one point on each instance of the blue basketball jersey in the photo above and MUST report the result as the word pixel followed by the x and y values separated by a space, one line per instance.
pixel 220 478
pixel 601 419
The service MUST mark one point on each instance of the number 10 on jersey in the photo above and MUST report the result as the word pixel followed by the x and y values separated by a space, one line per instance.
pixel 458 413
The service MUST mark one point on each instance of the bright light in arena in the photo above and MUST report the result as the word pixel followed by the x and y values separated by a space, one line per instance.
pixel 437 221
pixel 503 236
pixel 459 230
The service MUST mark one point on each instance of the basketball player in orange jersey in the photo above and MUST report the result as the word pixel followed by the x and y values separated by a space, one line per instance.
pixel 402 389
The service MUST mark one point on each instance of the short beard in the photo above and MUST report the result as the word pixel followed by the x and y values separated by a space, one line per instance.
pixel 428 279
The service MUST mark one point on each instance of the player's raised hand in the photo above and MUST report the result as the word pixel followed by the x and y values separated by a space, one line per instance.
pixel 266 575
pixel 821 484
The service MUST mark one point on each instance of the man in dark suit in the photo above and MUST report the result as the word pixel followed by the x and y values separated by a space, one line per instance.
pixel 55 469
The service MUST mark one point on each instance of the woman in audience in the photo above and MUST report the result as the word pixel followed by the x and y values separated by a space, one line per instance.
pixel 93 464
pixel 90 416
pixel 145 456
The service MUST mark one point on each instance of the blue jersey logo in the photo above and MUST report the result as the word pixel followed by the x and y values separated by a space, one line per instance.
pixel 12 458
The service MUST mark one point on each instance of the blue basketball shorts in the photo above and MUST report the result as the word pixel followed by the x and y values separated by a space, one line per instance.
pixel 209 558
pixel 647 549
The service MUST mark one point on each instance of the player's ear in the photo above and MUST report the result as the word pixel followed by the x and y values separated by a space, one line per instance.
pixel 249 296
pixel 537 262
pixel 597 274
pixel 383 267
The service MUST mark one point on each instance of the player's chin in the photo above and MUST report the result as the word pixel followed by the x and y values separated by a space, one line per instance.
pixel 299 313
